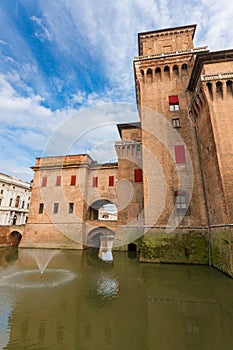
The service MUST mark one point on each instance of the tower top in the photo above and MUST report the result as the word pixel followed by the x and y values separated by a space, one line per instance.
pixel 166 40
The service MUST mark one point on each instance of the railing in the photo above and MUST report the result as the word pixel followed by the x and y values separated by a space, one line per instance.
pixel 173 53
pixel 217 76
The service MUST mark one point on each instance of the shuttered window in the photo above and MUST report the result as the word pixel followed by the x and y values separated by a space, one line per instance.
pixel 138 175
pixel 44 181
pixel 111 181
pixel 174 103
pixel 73 180
pixel 95 181
pixel 58 181
pixel 180 154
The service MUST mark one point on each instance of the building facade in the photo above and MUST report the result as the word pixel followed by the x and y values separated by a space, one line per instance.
pixel 174 171
pixel 15 197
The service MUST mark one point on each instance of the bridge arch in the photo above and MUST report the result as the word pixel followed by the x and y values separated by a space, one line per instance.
pixel 93 238
pixel 102 209
pixel 14 238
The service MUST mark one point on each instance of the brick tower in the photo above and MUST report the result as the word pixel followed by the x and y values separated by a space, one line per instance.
pixel 173 191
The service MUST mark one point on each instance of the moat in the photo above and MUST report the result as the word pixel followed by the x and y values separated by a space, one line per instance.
pixel 69 299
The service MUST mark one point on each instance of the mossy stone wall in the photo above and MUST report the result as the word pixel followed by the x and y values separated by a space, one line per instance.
pixel 189 247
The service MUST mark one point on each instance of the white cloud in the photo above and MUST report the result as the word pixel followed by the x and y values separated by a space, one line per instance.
pixel 42 33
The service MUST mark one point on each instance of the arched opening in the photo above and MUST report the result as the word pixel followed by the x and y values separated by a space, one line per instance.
pixel 142 75
pixel 158 73
pixel 219 89
pixel 229 87
pixel 132 250
pixel 99 236
pixel 175 70
pixel 210 89
pixel 167 71
pixel 14 238
pixel 184 66
pixel 102 210
pixel 149 75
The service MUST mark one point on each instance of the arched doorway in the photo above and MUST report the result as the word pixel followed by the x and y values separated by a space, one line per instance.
pixel 14 238
pixel 102 210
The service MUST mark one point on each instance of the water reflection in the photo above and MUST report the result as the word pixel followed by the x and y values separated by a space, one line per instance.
pixel 125 305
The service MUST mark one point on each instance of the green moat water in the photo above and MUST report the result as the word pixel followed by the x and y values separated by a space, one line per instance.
pixel 80 302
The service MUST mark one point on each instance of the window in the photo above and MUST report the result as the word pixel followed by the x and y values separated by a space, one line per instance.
pixel 111 181
pixel 1 191
pixel 180 203
pixel 73 180
pixel 11 200
pixel 95 181
pixel 58 181
pixel 138 175
pixel 174 103
pixel 17 201
pixel 41 208
pixel 44 181
pixel 180 154
pixel 176 123
pixel 0 201
pixel 71 208
pixel 55 208
pixel 23 202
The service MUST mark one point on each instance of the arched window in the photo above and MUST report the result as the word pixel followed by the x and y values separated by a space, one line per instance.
pixel 229 87
pixel 210 89
pixel 219 88
pixel 184 66
pixel 166 71
pixel 158 73
pixel 149 75
pixel 175 70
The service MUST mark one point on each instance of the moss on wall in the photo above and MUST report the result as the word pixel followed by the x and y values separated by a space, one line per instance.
pixel 183 248
pixel 221 251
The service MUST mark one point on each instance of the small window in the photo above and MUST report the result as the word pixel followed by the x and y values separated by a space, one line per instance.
pixel 174 103
pixel 55 208
pixel 181 203
pixel 111 181
pixel 11 200
pixel 95 181
pixel 176 122
pixel 23 202
pixel 0 201
pixel 44 181
pixel 138 175
pixel 71 208
pixel 73 180
pixel 1 191
pixel 41 208
pixel 180 154
pixel 58 181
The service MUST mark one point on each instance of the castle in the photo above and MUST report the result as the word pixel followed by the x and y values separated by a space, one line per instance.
pixel 172 187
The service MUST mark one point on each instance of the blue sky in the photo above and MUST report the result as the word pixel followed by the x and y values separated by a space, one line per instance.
pixel 62 59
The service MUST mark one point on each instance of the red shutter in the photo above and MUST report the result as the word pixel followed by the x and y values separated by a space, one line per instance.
pixel 137 175
pixel 44 181
pixel 73 180
pixel 95 181
pixel 173 100
pixel 58 181
pixel 111 181
pixel 180 154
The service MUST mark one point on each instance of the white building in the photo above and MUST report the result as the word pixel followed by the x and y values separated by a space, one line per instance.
pixel 15 197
